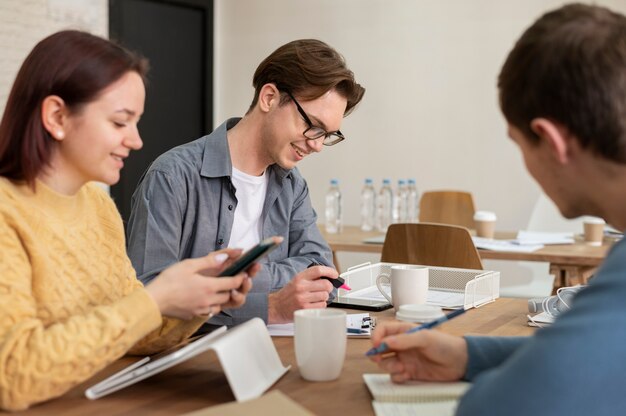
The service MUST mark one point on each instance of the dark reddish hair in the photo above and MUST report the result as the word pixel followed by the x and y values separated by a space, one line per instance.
pixel 73 65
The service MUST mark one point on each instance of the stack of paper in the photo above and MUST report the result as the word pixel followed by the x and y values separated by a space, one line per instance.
pixel 505 245
pixel 541 237
pixel 540 320
pixel 448 299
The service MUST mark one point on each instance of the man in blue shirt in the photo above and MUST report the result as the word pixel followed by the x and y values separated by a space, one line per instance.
pixel 563 94
pixel 240 185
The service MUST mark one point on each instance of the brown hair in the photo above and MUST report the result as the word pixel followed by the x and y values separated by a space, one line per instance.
pixel 308 68
pixel 73 65
pixel 570 67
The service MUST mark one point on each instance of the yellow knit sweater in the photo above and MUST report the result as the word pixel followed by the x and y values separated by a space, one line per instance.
pixel 69 300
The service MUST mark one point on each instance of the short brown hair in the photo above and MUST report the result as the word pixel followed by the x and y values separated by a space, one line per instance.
pixel 309 68
pixel 73 65
pixel 570 67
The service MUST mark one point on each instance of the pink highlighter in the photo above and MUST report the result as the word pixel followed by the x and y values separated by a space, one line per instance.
pixel 338 283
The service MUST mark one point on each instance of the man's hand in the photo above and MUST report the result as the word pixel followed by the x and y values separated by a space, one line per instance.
pixel 305 291
pixel 423 355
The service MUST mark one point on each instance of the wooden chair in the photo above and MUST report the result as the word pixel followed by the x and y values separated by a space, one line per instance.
pixel 431 245
pixel 447 207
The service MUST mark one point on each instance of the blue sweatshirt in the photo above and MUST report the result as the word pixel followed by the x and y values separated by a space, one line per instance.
pixel 575 367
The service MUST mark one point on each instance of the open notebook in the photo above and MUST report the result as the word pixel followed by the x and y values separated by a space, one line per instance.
pixel 413 398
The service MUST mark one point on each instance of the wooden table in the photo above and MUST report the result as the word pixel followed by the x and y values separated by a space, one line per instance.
pixel 200 382
pixel 570 263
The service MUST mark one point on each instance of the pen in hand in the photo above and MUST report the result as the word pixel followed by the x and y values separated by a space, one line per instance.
pixel 383 347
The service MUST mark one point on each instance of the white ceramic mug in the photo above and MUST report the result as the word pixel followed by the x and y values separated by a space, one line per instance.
pixel 320 343
pixel 409 285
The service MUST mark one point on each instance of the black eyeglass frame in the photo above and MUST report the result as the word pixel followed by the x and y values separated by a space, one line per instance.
pixel 331 138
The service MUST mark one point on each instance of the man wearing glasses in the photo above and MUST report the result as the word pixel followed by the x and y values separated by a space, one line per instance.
pixel 239 185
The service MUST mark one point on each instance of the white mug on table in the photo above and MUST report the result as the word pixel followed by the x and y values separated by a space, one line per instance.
pixel 409 285
pixel 320 343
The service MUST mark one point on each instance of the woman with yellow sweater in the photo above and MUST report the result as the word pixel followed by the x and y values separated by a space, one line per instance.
pixel 69 300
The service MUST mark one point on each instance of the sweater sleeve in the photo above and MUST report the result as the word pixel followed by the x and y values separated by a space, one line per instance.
pixel 574 367
pixel 488 352
pixel 171 331
pixel 38 362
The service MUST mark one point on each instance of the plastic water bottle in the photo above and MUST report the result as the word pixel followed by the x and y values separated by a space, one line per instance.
pixel 400 203
pixel 413 206
pixel 368 206
pixel 333 208
pixel 384 206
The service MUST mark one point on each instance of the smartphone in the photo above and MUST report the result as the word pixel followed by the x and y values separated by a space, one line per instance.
pixel 249 257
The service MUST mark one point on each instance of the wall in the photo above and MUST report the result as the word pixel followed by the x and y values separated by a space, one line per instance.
pixel 430 111
pixel 23 23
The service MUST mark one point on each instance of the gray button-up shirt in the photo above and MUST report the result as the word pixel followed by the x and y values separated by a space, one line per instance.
pixel 184 207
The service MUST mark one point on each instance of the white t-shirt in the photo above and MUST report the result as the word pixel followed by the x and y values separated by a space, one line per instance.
pixel 251 190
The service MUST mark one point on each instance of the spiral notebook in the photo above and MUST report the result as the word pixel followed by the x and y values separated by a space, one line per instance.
pixel 414 398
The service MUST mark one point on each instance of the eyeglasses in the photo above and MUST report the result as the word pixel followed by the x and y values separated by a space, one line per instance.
pixel 315 132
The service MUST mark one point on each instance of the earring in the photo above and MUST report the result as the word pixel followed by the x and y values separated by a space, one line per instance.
pixel 60 134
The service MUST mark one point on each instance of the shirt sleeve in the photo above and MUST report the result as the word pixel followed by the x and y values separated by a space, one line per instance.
pixel 155 224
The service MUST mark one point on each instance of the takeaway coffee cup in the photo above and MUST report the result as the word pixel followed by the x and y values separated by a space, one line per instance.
pixel 594 230
pixel 485 223
pixel 409 285
pixel 320 343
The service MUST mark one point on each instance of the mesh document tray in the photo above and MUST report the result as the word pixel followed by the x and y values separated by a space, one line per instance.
pixel 479 286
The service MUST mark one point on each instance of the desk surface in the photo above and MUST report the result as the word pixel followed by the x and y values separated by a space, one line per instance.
pixel 200 382
pixel 577 254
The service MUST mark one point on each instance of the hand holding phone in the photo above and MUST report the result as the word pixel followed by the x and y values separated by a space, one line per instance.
pixel 249 257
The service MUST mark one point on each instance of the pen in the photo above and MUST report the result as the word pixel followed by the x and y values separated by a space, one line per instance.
pixel 356 331
pixel 338 283
pixel 384 348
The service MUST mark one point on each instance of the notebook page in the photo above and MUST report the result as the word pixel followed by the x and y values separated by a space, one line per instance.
pixel 446 408
pixel 384 390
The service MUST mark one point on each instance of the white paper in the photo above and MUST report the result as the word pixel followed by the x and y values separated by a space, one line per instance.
pixel 446 408
pixel 442 298
pixel 541 237
pixel 505 245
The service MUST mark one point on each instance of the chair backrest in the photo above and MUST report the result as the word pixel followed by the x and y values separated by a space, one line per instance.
pixel 447 207
pixel 432 245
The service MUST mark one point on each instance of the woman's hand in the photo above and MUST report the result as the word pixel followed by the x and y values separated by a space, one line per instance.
pixel 185 289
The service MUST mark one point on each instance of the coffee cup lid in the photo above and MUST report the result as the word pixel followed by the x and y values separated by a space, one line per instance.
pixel 594 220
pixel 484 216
pixel 419 313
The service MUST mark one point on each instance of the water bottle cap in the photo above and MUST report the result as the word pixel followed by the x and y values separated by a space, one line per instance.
pixel 386 181
pixel 334 182
pixel 400 181
pixel 412 181
pixel 368 181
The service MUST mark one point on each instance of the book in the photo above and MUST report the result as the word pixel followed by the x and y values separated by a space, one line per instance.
pixel 417 397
